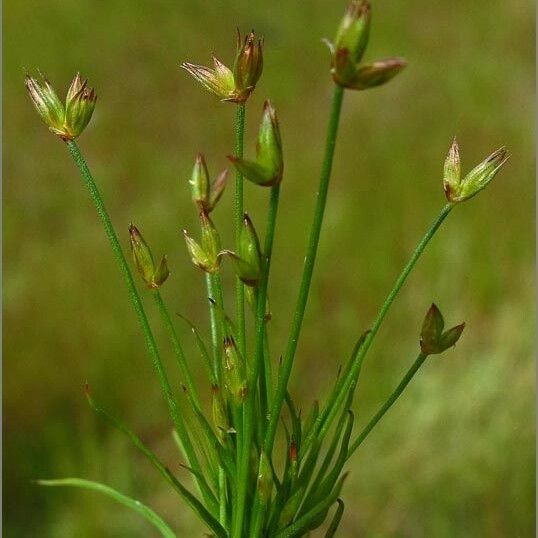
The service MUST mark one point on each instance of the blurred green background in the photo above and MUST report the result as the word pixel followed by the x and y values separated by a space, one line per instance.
pixel 455 457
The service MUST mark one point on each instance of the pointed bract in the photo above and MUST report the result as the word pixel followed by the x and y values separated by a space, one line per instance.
pixel 432 338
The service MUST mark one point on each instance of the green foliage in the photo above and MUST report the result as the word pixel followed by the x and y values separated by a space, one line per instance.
pixel 461 260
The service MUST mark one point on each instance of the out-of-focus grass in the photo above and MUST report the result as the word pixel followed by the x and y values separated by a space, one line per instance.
pixel 456 456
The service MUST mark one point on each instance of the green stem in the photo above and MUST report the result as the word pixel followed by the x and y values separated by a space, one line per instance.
pixel 338 396
pixel 310 259
pixel 178 350
pixel 240 290
pixel 139 309
pixel 214 292
pixel 249 407
pixel 388 404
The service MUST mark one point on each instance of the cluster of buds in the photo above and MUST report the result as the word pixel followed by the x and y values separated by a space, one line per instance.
pixel 458 189
pixel 233 86
pixel 268 168
pixel 348 49
pixel 248 258
pixel 205 254
pixel 67 120
pixel 204 193
pixel 153 275
pixel 433 338
pixel 234 372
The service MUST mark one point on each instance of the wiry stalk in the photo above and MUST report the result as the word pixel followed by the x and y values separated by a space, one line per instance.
pixel 140 312
pixel 240 289
pixel 310 259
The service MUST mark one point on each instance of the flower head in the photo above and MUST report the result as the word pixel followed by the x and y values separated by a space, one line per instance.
pixel 65 120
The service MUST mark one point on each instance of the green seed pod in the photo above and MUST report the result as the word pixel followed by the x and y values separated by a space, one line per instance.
pixel 153 276
pixel 248 65
pixel 265 478
pixel 432 338
pixel 205 254
pixel 234 372
pixel 354 30
pixel 200 183
pixel 452 170
pixel 142 256
pixel 268 168
pixel 248 259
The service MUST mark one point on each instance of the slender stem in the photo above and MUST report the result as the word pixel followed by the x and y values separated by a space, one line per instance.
pixel 214 292
pixel 222 497
pixel 388 404
pixel 248 416
pixel 139 309
pixel 310 259
pixel 240 290
pixel 178 350
pixel 337 397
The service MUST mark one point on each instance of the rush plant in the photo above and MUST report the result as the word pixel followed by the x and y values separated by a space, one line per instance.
pixel 259 466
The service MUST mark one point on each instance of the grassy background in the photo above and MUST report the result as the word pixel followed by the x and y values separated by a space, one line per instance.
pixel 456 456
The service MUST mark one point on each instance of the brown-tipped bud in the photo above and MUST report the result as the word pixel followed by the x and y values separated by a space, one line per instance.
pixel 459 190
pixel 354 30
pixel 152 275
pixel 248 65
pixel 65 120
pixel 220 417
pixel 268 168
pixel 432 338
pixel 234 372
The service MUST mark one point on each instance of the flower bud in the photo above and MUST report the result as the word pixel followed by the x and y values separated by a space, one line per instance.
pixel 459 190
pixel 205 254
pixel 353 32
pixel 432 338
pixel 248 65
pixel 200 182
pixel 268 168
pixel 143 259
pixel 248 259
pixel 232 86
pixel 79 106
pixel 234 372
pixel 205 195
pixel 265 478
pixel 69 120
pixel 220 417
